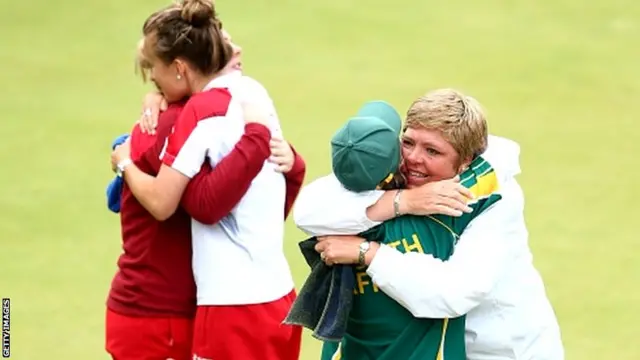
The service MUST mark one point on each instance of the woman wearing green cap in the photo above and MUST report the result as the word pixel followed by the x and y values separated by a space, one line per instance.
pixel 417 282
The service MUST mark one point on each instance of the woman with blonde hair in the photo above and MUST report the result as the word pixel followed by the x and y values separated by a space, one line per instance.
pixel 489 277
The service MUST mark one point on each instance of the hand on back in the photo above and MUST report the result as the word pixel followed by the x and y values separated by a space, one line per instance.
pixel 152 104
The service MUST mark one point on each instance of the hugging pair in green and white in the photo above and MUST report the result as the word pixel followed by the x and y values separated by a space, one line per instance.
pixel 442 267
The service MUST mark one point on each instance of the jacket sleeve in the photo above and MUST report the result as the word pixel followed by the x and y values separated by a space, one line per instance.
pixel 294 178
pixel 325 207
pixel 432 288
pixel 213 193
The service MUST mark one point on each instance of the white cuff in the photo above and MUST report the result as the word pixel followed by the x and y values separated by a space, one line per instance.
pixel 386 258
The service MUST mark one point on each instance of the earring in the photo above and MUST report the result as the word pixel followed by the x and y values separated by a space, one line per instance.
pixel 178 77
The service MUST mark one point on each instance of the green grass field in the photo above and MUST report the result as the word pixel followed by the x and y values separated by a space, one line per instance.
pixel 560 77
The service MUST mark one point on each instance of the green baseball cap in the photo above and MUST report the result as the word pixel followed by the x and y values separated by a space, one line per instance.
pixel 366 150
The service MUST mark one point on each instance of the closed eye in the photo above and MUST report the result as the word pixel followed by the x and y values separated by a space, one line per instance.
pixel 407 143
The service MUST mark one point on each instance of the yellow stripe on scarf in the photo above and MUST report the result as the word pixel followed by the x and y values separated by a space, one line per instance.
pixel 486 184
pixel 338 353
pixel 440 355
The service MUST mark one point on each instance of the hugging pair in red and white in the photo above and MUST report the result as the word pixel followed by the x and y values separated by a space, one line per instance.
pixel 203 206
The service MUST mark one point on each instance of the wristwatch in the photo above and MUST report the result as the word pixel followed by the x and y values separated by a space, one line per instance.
pixel 396 203
pixel 364 247
pixel 122 165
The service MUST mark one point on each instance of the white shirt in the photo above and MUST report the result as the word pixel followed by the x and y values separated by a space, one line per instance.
pixel 490 276
pixel 239 260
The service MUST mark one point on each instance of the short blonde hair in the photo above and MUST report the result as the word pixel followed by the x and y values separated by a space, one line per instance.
pixel 458 117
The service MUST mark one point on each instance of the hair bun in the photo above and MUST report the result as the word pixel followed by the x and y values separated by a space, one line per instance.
pixel 198 13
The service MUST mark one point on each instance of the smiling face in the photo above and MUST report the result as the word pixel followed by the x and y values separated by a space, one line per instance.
pixel 443 133
pixel 428 156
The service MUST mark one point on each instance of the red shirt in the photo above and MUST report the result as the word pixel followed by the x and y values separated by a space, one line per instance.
pixel 155 278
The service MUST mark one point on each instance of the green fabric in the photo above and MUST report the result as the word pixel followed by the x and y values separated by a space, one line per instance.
pixel 379 327
pixel 367 148
pixel 328 350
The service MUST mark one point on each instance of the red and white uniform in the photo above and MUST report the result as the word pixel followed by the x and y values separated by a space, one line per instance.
pixel 152 300
pixel 244 284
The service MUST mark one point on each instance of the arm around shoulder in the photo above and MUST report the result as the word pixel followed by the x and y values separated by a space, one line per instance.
pixel 432 288
pixel 213 193
pixel 325 207
pixel 294 179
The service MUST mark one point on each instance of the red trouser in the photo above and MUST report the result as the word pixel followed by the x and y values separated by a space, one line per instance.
pixel 246 332
pixel 137 338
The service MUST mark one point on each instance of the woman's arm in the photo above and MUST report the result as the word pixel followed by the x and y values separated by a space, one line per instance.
pixel 294 179
pixel 182 158
pixel 439 289
pixel 325 207
pixel 213 193
pixel 160 195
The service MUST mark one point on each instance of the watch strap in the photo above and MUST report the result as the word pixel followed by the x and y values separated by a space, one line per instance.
pixel 396 203
pixel 122 165
pixel 364 247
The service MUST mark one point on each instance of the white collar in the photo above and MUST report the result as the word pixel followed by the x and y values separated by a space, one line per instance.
pixel 223 80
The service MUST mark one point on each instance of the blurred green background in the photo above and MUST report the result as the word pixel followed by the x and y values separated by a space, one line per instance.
pixel 560 77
